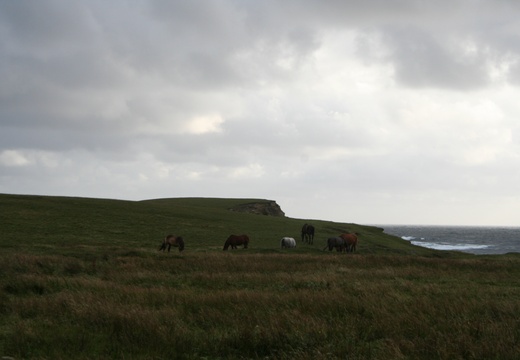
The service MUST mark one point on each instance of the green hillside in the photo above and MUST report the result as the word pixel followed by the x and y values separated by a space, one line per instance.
pixel 83 279
pixel 42 223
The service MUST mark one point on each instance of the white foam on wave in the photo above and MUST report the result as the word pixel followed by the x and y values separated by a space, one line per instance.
pixel 438 246
pixel 408 238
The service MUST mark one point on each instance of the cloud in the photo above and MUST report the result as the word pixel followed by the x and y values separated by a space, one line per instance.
pixel 394 108
pixel 13 158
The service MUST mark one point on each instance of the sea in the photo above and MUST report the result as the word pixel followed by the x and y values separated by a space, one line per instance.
pixel 477 240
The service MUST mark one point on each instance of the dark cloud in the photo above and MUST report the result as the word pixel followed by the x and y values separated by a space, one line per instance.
pixel 422 60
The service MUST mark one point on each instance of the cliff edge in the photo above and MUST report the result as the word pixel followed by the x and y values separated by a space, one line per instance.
pixel 268 208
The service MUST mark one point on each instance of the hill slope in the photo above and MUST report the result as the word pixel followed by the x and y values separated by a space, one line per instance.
pixel 42 222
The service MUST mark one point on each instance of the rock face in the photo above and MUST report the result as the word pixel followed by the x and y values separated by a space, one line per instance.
pixel 269 208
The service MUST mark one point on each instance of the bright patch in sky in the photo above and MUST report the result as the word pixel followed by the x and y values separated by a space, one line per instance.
pixel 204 124
pixel 13 158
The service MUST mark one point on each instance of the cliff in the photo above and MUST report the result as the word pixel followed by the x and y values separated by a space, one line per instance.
pixel 269 208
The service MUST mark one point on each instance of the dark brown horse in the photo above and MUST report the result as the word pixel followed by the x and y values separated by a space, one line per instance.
pixel 172 240
pixel 308 233
pixel 350 241
pixel 336 242
pixel 236 240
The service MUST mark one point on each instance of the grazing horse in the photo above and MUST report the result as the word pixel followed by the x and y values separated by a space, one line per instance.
pixel 287 243
pixel 336 242
pixel 308 233
pixel 350 241
pixel 172 240
pixel 235 240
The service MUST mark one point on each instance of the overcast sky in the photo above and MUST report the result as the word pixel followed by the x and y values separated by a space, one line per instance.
pixel 365 111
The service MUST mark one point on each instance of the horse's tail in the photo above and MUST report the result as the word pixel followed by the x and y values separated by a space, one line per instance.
pixel 180 240
pixel 246 241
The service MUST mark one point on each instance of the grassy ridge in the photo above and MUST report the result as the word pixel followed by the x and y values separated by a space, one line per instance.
pixel 204 223
pixel 82 278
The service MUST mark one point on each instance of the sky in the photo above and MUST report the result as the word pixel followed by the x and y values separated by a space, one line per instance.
pixel 362 111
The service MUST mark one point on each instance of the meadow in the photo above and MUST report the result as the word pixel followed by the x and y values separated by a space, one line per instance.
pixel 83 278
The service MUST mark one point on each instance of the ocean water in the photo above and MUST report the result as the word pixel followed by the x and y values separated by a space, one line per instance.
pixel 470 239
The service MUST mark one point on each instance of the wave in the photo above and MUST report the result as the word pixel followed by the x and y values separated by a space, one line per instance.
pixel 444 246
pixel 441 246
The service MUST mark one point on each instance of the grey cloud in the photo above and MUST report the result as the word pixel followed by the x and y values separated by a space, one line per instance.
pixel 421 60
pixel 514 72
pixel 39 26
pixel 451 45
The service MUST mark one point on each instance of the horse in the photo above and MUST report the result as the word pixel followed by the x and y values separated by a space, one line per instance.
pixel 308 233
pixel 287 243
pixel 172 240
pixel 235 240
pixel 335 242
pixel 350 241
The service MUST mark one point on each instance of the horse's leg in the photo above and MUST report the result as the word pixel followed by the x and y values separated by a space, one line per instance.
pixel 169 247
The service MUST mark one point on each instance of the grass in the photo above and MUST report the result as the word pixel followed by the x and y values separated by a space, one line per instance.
pixel 82 278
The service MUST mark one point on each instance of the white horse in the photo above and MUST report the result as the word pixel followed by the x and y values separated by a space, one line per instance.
pixel 287 242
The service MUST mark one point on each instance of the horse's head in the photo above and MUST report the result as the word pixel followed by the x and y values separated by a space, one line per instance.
pixel 332 243
pixel 180 241
pixel 226 245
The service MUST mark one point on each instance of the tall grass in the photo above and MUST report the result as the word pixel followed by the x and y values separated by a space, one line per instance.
pixel 260 305
pixel 83 279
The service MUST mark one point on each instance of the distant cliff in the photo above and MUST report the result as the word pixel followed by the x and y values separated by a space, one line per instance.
pixel 269 208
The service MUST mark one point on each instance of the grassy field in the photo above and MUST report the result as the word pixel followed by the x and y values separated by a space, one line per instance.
pixel 82 278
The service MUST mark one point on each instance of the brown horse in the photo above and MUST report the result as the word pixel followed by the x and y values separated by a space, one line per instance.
pixel 172 240
pixel 350 241
pixel 235 240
